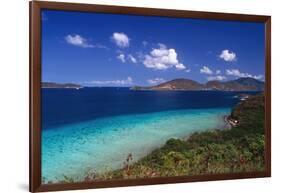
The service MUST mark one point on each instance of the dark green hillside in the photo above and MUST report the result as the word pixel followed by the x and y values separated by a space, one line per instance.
pixel 247 118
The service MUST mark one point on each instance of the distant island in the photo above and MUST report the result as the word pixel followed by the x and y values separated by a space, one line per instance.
pixel 240 84
pixel 60 85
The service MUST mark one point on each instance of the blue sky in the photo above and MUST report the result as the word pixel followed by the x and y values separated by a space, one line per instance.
pixel 120 50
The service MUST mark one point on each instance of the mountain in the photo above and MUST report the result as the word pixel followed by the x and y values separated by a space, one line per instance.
pixel 59 85
pixel 249 83
pixel 240 84
pixel 179 84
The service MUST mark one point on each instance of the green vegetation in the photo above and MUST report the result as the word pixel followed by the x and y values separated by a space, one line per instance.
pixel 239 149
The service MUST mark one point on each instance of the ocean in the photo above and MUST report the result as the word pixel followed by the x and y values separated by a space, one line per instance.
pixel 95 129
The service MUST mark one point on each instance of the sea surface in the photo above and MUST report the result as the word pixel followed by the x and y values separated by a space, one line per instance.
pixel 94 129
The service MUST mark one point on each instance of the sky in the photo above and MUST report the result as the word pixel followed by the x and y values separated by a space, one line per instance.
pixel 94 49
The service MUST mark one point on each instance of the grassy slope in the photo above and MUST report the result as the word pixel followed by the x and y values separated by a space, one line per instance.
pixel 238 149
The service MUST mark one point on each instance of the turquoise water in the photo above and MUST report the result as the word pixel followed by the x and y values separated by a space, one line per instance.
pixel 104 143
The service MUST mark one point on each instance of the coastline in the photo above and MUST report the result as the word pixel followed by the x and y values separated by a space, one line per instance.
pixel 227 123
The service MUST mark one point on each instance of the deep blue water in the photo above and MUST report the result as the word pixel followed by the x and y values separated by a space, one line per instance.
pixel 64 106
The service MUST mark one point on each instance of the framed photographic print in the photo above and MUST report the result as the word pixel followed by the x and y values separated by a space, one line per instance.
pixel 123 96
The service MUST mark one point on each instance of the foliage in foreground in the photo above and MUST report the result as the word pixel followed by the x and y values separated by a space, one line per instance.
pixel 239 149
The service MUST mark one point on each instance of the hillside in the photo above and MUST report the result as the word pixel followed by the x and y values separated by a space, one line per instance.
pixel 179 84
pixel 241 84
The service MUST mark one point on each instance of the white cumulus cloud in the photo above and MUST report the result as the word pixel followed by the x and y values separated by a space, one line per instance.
pixel 218 77
pixel 180 66
pixel 258 77
pixel 218 71
pixel 124 82
pixel 162 58
pixel 78 40
pixel 228 56
pixel 155 80
pixel 206 70
pixel 121 57
pixel 237 73
pixel 121 39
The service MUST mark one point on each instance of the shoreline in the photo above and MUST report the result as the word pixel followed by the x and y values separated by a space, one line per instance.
pixel 227 123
